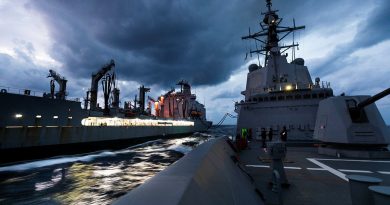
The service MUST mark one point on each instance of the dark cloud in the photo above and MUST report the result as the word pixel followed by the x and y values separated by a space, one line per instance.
pixel 153 42
pixel 160 42
pixel 374 30
pixel 233 95
pixel 19 72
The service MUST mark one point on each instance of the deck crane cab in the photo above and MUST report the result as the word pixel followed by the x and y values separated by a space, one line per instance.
pixel 61 94
pixel 92 94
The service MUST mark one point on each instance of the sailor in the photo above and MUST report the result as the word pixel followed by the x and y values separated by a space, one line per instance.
pixel 263 137
pixel 244 136
pixel 283 134
pixel 270 134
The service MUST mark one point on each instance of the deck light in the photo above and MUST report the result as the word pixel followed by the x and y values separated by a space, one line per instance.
pixel 55 116
pixel 18 115
pixel 156 105
pixel 70 117
pixel 288 87
pixel 38 116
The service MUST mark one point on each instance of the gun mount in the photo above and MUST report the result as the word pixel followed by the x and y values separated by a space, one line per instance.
pixel 356 110
pixel 352 120
pixel 373 99
pixel 61 94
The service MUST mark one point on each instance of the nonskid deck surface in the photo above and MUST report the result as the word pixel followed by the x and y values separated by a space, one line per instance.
pixel 313 178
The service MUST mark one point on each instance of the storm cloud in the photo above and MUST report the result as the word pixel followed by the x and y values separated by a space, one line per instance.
pixel 374 30
pixel 153 42
pixel 161 42
pixel 157 43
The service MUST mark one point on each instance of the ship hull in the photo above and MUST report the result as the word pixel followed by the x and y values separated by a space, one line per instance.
pixel 20 143
pixel 48 127
pixel 37 152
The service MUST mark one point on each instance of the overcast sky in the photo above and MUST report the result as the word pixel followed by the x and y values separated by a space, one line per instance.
pixel 158 43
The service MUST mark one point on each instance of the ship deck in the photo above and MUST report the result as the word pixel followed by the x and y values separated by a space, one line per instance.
pixel 313 178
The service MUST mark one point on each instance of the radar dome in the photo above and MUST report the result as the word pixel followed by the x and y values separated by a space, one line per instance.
pixel 253 67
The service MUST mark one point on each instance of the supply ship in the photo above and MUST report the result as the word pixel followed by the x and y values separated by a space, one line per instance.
pixel 336 151
pixel 51 123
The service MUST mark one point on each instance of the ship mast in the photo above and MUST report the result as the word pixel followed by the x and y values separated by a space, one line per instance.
pixel 270 29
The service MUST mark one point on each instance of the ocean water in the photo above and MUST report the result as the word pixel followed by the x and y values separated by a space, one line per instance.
pixel 95 178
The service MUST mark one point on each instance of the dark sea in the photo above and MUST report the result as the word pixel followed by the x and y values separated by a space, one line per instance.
pixel 95 178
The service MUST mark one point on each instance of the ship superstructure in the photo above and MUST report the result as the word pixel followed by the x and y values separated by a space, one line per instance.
pixel 30 122
pixel 182 104
pixel 281 93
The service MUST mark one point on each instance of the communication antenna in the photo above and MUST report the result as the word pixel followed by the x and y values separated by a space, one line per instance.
pixel 250 49
pixel 258 56
pixel 293 49
pixel 268 36
pixel 246 50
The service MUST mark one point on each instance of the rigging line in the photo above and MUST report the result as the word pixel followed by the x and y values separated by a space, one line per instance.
pixel 224 118
pixel 250 48
pixel 220 122
pixel 293 56
pixel 258 56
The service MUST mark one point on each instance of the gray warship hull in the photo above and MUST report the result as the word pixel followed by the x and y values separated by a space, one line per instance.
pixel 214 173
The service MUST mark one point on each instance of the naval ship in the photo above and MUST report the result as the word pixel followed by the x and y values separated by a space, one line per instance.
pixel 33 126
pixel 336 150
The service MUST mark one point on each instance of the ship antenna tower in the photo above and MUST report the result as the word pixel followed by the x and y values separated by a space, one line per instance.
pixel 270 28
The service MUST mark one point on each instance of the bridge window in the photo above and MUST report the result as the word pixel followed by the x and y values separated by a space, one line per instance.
pixel 314 95
pixel 273 98
pixel 298 96
pixel 281 97
pixel 321 95
pixel 306 96
pixel 289 97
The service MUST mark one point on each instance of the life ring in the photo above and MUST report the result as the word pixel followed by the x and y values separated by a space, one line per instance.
pixel 3 91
